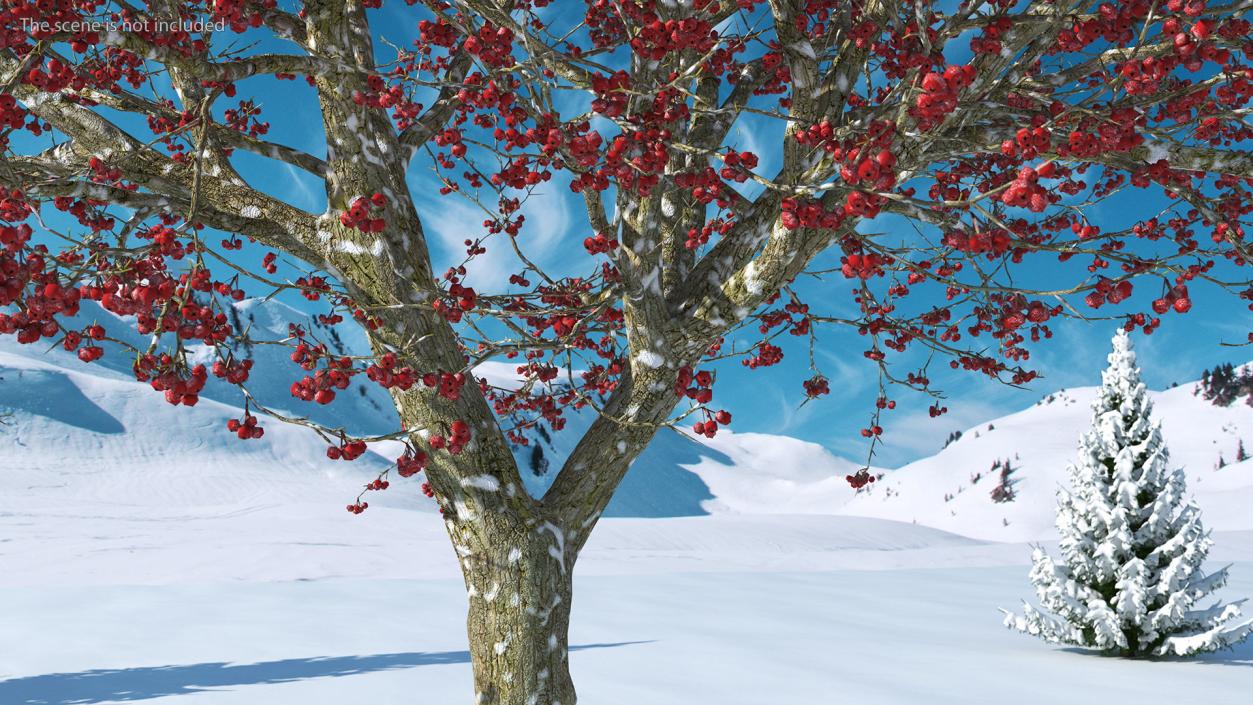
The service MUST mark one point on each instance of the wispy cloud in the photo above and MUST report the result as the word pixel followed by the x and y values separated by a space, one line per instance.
pixel 451 220
pixel 915 434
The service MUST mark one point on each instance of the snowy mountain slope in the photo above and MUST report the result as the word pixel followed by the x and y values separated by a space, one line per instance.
pixel 761 473
pixel 102 482
pixel 116 443
pixel 362 408
pixel 658 486
pixel 941 490
pixel 103 437
pixel 72 415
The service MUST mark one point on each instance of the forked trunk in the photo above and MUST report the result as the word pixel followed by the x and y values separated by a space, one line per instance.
pixel 518 580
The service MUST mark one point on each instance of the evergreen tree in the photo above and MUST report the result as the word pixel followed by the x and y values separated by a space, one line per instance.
pixel 1225 384
pixel 1241 454
pixel 1004 490
pixel 539 463
pixel 952 437
pixel 1129 579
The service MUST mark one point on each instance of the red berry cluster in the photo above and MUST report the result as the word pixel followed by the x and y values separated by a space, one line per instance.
pixel 447 384
pixel 412 463
pixel 346 450
pixel 89 353
pixel 939 95
pixel 1029 143
pixel 180 385
pixel 599 244
pixel 739 165
pixel 656 39
pixel 242 15
pixel 860 479
pixel 244 119
pixel 492 44
pixel 245 428
pixel 12 115
pixel 992 242
pixel 863 266
pixel 1027 192
pixel 697 386
pixel 874 170
pixel 362 214
pixel 379 95
pixel 709 427
pixel 1176 298
pixel 767 355
pixel 452 138
pixel 611 93
pixel 816 386
pixel 321 386
pixel 703 184
pixel 696 238
pixel 989 42
pixel 803 213
pixel 1108 291
pixel 458 438
pixel 388 373
pixel 456 303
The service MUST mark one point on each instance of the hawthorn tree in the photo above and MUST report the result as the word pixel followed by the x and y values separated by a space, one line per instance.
pixel 992 128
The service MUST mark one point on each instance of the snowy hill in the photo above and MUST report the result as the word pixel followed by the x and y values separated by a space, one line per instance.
pixel 952 489
pixel 762 473
pixel 100 436
pixel 89 428
pixel 69 414
pixel 103 482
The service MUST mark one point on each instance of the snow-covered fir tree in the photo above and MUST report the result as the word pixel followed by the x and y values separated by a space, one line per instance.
pixel 1129 580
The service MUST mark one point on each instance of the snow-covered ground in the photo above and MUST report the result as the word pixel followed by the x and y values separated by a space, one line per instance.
pixel 889 637
pixel 148 556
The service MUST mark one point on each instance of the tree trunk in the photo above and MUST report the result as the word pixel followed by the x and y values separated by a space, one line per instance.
pixel 519 584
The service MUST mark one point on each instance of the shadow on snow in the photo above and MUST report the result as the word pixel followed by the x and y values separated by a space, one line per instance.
pixel 146 682
pixel 1239 655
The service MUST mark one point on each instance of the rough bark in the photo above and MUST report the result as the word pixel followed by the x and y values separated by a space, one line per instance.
pixel 518 578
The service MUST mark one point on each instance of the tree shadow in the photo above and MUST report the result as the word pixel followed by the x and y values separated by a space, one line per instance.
pixel 1239 655
pixel 146 682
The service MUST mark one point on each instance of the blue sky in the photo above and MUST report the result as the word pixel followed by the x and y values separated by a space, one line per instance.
pixel 769 400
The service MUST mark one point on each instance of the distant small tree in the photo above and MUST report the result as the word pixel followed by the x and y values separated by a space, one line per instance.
pixel 1004 490
pixel 538 463
pixel 1129 578
pixel 1241 454
pixel 952 438
pixel 1225 384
